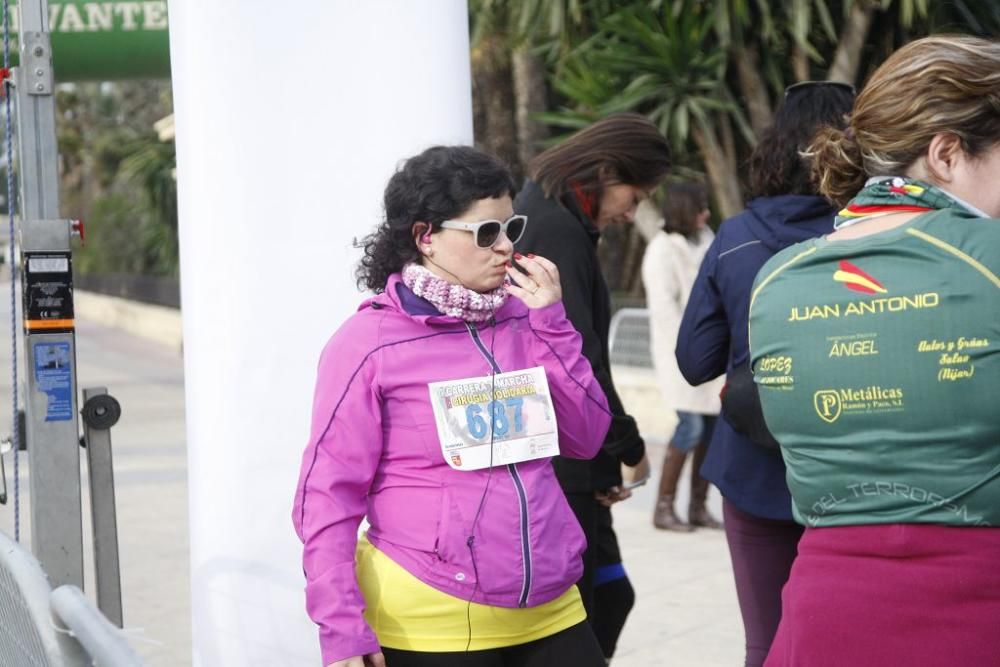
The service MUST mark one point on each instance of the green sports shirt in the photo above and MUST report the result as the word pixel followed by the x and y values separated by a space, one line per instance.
pixel 878 365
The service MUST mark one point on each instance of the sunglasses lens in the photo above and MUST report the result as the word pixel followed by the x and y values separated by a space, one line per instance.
pixel 515 228
pixel 488 234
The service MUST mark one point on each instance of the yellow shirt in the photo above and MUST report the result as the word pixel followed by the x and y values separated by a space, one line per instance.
pixel 407 614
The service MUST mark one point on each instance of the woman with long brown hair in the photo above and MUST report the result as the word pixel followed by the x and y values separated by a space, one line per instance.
pixel 594 179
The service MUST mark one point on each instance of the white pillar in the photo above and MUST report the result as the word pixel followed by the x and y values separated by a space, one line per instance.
pixel 290 119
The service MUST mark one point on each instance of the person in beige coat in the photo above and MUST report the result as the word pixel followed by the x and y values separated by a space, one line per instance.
pixel 669 268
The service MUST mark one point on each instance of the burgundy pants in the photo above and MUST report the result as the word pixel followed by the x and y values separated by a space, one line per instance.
pixel 762 551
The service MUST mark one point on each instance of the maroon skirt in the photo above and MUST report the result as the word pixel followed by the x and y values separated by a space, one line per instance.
pixel 896 594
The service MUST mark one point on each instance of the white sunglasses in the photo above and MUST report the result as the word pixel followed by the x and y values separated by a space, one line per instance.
pixel 488 231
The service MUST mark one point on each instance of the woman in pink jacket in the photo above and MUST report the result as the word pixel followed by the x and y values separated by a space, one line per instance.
pixel 438 407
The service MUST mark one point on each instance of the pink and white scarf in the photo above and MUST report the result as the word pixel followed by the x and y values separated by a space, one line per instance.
pixel 452 299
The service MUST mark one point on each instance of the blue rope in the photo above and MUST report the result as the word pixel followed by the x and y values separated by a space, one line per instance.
pixel 16 435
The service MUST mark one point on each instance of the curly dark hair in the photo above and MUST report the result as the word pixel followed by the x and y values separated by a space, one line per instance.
pixel 776 165
pixel 439 184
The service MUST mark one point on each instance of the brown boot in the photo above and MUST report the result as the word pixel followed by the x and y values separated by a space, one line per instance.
pixel 698 514
pixel 664 516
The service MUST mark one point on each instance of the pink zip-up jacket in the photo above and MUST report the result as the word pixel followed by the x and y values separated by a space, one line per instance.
pixel 374 451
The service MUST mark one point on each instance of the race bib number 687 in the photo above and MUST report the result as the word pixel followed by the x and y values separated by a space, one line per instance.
pixel 512 411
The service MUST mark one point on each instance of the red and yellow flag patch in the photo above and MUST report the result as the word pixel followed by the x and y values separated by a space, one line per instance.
pixel 857 280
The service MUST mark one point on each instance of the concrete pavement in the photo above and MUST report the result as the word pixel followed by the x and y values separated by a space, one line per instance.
pixel 685 615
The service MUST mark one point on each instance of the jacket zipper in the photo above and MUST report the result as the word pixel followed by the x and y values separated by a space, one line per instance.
pixel 522 497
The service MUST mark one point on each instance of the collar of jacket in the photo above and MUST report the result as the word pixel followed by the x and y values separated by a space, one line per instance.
pixel 568 202
pixel 400 298
pixel 572 204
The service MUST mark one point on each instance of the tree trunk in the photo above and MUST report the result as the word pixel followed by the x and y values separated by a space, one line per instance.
pixel 493 99
pixel 530 99
pixel 632 269
pixel 725 125
pixel 753 87
pixel 800 64
pixel 611 255
pixel 847 59
pixel 722 178
pixel 620 254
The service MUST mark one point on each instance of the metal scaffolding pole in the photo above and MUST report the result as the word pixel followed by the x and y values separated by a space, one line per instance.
pixel 50 346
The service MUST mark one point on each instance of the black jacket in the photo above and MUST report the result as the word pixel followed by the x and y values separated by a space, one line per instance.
pixel 561 232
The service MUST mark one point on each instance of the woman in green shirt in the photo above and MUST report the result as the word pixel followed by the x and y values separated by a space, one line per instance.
pixel 877 353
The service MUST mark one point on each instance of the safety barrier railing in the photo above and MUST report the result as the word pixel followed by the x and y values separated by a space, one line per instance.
pixel 40 627
pixel 628 339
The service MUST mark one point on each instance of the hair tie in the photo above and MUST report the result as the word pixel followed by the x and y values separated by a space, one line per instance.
pixel 849 133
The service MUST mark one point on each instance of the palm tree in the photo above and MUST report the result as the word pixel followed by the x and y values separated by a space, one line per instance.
pixel 514 45
pixel 667 65
pixel 708 72
pixel 148 168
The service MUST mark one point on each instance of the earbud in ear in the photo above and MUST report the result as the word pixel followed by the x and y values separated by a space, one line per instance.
pixel 426 238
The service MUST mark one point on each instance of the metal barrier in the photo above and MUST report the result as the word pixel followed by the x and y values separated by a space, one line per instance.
pixel 28 634
pixel 31 635
pixel 105 644
pixel 628 339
